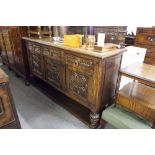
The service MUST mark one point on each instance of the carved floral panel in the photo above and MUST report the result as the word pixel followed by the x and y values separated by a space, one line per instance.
pixel 78 83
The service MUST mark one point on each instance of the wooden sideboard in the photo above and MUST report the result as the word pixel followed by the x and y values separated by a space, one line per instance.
pixel 86 76
pixel 11 49
pixel 8 115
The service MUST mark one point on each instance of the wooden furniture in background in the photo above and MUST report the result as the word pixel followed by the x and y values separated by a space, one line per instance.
pixel 85 76
pixel 8 115
pixel 12 51
pixel 2 49
pixel 145 38
pixel 113 34
pixel 139 95
pixel 40 31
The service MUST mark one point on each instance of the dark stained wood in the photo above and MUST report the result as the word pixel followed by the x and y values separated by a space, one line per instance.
pixel 2 49
pixel 12 49
pixel 145 37
pixel 9 48
pixel 8 114
pixel 86 79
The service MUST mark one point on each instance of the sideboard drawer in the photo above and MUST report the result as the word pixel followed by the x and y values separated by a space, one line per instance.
pixel 33 47
pixel 52 52
pixel 80 63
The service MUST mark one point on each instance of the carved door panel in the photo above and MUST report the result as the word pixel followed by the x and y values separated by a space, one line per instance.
pixel 53 72
pixel 16 39
pixel 6 113
pixel 36 64
pixel 2 49
pixel 79 84
pixel 9 48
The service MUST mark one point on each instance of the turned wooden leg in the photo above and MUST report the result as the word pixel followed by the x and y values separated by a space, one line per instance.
pixel 94 120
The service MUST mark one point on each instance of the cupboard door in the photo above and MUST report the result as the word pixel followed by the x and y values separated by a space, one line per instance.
pixel 79 85
pixel 9 48
pixel 18 55
pixel 36 64
pixel 53 72
pixel 2 49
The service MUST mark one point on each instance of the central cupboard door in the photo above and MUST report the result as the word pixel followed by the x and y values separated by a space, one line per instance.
pixel 53 72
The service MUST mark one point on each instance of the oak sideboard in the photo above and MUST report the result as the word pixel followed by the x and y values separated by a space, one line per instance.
pixel 86 76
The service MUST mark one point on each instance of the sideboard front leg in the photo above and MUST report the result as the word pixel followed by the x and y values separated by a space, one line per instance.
pixel 94 120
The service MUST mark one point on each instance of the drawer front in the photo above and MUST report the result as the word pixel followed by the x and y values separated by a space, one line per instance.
pixel 6 113
pixel 111 38
pixel 80 63
pixel 145 36
pixel 53 72
pixel 52 52
pixel 146 31
pixel 143 39
pixel 34 47
pixel 149 61
pixel 150 53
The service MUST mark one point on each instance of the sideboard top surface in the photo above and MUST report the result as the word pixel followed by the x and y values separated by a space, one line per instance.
pixel 47 41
